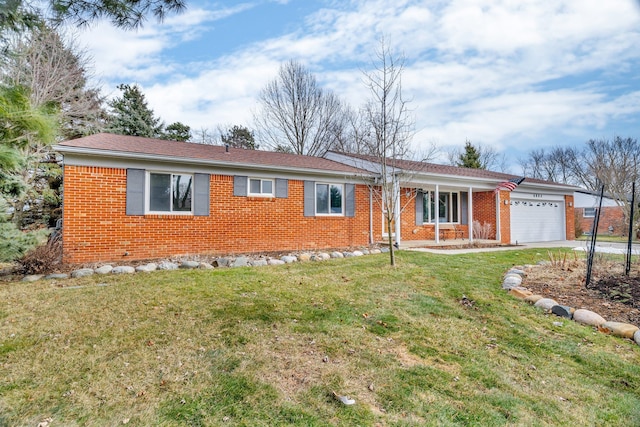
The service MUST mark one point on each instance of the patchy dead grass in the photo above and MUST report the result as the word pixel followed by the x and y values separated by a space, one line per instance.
pixel 270 346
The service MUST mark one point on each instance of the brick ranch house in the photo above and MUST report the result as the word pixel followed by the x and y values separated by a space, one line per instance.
pixel 612 219
pixel 137 198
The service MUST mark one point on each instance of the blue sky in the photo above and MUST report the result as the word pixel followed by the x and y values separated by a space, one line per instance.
pixel 514 75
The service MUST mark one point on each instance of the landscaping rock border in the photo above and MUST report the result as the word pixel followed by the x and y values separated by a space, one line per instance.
pixel 220 262
pixel 548 305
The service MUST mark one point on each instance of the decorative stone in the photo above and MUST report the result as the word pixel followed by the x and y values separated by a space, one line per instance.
pixel 532 299
pixel 562 311
pixel 365 252
pixel 189 264
pixel 241 261
pixel 375 251
pixel 167 265
pixel 619 329
pixel 587 317
pixel 55 276
pixel 520 292
pixel 517 271
pixel 324 256
pixel 259 262
pixel 511 282
pixel 32 277
pixel 304 257
pixel 357 253
pixel 123 269
pixel 275 262
pixel 545 303
pixel 348 254
pixel 384 249
pixel 289 259
pixel 337 254
pixel 105 269
pixel 205 266
pixel 83 272
pixel 636 337
pixel 147 268
pixel 222 262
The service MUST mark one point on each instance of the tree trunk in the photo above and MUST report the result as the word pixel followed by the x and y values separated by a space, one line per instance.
pixel 392 256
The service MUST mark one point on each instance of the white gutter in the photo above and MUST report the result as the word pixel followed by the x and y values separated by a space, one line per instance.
pixel 201 162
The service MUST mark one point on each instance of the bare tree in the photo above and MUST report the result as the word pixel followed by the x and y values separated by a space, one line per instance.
pixel 56 73
pixel 391 129
pixel 296 114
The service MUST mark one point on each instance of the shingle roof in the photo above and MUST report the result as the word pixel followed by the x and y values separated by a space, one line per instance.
pixel 216 153
pixel 447 170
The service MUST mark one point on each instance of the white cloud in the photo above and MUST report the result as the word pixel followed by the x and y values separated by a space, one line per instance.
pixel 492 71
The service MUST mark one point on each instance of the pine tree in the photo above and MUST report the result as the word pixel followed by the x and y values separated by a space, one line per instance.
pixel 470 158
pixel 131 115
pixel 239 137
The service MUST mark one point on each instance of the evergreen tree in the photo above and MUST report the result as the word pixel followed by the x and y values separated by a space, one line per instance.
pixel 470 158
pixel 177 132
pixel 130 114
pixel 239 137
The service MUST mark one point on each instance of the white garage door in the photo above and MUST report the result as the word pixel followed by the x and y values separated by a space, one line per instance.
pixel 535 220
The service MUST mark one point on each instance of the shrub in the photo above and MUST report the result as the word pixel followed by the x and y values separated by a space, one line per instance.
pixel 43 258
pixel 482 231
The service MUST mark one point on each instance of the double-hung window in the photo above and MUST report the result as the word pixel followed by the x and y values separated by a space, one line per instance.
pixel 260 187
pixel 448 207
pixel 589 213
pixel 170 192
pixel 329 199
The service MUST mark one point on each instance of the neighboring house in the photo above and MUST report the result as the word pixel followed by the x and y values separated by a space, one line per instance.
pixel 611 216
pixel 137 198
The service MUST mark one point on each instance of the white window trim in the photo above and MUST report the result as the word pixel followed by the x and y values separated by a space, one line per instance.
pixel 147 196
pixel 261 194
pixel 315 194
pixel 427 197
pixel 593 215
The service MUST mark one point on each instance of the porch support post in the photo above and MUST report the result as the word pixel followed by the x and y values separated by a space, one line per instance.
pixel 436 214
pixel 396 215
pixel 470 214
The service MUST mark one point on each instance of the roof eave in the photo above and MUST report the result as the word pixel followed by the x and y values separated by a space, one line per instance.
pixel 81 151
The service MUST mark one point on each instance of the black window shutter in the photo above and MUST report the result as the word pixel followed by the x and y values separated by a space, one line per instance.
pixel 419 208
pixel 350 200
pixel 240 186
pixel 309 198
pixel 135 192
pixel 282 188
pixel 464 208
pixel 201 187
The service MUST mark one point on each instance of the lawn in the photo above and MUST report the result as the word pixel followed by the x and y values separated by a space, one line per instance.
pixel 269 346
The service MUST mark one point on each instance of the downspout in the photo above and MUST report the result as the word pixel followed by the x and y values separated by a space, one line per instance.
pixel 470 214
pixel 498 233
pixel 370 215
pixel 436 214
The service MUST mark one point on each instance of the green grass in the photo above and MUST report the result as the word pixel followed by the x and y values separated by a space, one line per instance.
pixel 269 346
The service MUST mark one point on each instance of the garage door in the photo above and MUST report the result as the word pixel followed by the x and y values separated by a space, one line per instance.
pixel 535 220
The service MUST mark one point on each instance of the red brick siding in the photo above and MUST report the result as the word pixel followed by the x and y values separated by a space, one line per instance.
pixel 97 229
pixel 484 211
pixel 569 213
pixel 610 216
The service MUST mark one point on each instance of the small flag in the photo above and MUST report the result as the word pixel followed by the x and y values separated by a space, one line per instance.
pixel 509 185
